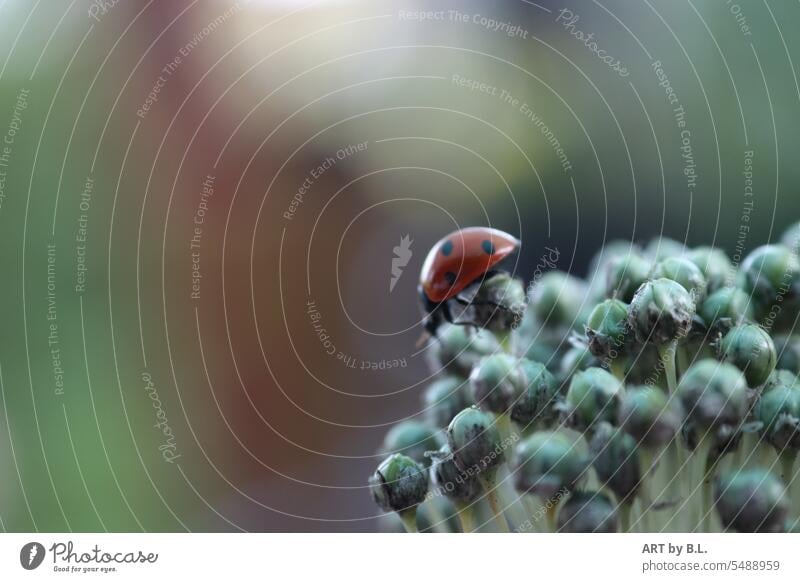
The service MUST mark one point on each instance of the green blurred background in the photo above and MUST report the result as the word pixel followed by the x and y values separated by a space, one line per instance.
pixel 179 179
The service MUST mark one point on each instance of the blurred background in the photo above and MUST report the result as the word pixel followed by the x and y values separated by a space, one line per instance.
pixel 199 202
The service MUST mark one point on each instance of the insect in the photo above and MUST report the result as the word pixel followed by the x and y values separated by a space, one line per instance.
pixel 454 263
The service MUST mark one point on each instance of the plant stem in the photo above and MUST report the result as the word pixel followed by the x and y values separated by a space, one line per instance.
pixel 617 367
pixel 438 519
pixel 624 512
pixel 504 339
pixel 787 458
pixel 466 515
pixel 703 466
pixel 667 353
pixel 409 519
pixel 488 482
pixel 551 512
pixel 645 489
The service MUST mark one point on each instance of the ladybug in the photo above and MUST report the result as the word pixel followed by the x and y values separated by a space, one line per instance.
pixel 456 262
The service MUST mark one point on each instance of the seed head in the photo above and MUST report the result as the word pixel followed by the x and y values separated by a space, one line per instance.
pixel 587 512
pixel 714 397
pixel 457 349
pixel 648 416
pixel 593 396
pixel 726 308
pixel 475 441
pixel 788 348
pixel 413 439
pixel 779 412
pixel 557 299
pixel 715 265
pixel 399 484
pixel 539 397
pixel 445 398
pixel 751 501
pixel 607 330
pixel 497 383
pixel 615 456
pixel 662 311
pixel 624 275
pixel 450 480
pixel 546 463
pixel 751 349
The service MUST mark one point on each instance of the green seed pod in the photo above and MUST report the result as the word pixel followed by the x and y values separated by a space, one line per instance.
pixel 648 416
pixel 779 412
pixel 714 396
pixel 615 456
pixel 597 275
pixel 497 383
pixel 788 348
pixel 726 308
pixel 413 439
pixel 457 349
pixel 611 251
pixel 541 351
pixel 714 264
pixel 445 398
pixel 497 303
pixel 791 238
pixel 475 441
pixel 625 275
pixel 576 359
pixel 660 248
pixel 662 311
pixel 771 275
pixel 400 483
pixel 547 463
pixel 781 379
pixel 587 512
pixel 607 329
pixel 751 501
pixel 538 399
pixel 557 299
pixel 450 480
pixel 686 273
pixel 751 349
pixel 593 396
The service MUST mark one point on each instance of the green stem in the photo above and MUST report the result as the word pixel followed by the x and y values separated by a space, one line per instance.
pixel 684 360
pixel 667 353
pixel 488 482
pixel 617 367
pixel 551 513
pixel 409 519
pixel 438 519
pixel 624 512
pixel 703 467
pixel 505 428
pixel 787 458
pixel 504 339
pixel 466 515
pixel 645 489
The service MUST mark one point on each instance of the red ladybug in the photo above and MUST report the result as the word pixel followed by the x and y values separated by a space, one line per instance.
pixel 454 263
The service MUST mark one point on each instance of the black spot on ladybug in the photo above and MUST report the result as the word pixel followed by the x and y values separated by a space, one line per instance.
pixel 447 248
pixel 487 247
pixel 451 277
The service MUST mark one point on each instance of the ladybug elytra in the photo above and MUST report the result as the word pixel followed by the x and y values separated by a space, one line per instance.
pixel 456 262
